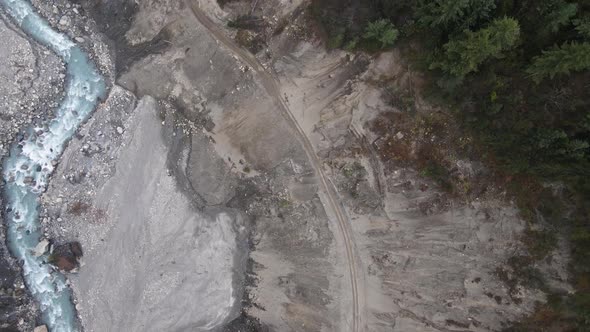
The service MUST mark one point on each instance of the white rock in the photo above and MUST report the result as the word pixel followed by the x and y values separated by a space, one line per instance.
pixel 64 20
pixel 41 328
pixel 41 248
pixel 120 130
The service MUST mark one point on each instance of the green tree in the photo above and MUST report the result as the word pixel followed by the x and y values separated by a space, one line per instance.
pixel 583 26
pixel 560 15
pixel 562 60
pixel 389 8
pixel 464 55
pixel 555 143
pixel 381 31
pixel 461 14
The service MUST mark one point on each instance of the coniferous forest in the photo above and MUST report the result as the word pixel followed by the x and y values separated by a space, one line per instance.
pixel 516 77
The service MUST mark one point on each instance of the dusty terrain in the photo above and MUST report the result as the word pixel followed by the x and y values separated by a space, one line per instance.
pixel 220 189
pixel 171 253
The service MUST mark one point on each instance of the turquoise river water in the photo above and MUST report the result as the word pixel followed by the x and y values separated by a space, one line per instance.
pixel 28 167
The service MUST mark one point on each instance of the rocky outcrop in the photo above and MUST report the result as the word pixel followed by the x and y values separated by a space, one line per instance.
pixel 66 256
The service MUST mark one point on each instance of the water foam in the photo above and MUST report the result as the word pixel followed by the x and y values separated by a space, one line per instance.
pixel 31 161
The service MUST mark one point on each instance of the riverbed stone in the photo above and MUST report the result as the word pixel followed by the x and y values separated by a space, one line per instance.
pixel 65 21
pixel 41 247
pixel 40 328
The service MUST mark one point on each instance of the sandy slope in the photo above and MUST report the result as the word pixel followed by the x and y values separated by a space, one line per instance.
pixel 156 253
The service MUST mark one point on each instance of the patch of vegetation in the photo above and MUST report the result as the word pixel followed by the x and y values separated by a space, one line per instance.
pixel 354 171
pixel 539 243
pixel 284 203
pixel 458 324
pixel 379 34
pixel 516 76
pixel 519 271
pixel 252 41
pixel 354 27
pixel 222 3
pixel 439 174
pixel 52 258
pixel 77 208
pixel 247 22
pixel 402 99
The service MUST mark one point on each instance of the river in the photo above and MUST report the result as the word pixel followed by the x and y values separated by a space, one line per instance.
pixel 27 169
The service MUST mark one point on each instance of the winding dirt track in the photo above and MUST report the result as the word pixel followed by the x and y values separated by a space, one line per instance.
pixel 269 82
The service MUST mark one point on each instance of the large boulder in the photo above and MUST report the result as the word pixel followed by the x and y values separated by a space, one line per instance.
pixel 65 256
pixel 40 328
pixel 41 248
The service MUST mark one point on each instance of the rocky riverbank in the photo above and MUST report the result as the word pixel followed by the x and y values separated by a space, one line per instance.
pixel 31 86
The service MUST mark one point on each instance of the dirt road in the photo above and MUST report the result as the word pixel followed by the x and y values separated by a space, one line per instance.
pixel 269 82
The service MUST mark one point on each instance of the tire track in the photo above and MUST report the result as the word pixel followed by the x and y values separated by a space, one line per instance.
pixel 269 83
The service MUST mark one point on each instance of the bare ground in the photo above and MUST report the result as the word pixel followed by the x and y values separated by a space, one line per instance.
pixel 271 155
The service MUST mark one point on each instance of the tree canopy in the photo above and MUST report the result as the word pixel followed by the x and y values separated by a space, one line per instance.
pixel 560 60
pixel 463 55
pixel 516 75
pixel 460 13
pixel 381 31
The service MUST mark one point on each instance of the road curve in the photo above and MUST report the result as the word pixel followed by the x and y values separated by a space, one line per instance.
pixel 269 82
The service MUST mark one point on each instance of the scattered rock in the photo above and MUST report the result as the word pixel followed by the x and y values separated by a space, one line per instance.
pixel 40 328
pixel 65 21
